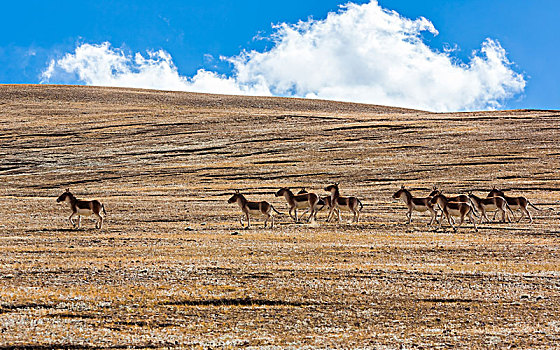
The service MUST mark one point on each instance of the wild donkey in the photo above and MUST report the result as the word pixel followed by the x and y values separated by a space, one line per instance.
pixel 323 202
pixel 460 198
pixel 498 204
pixel 457 209
pixel 83 208
pixel 299 201
pixel 417 204
pixel 516 203
pixel 253 208
pixel 351 204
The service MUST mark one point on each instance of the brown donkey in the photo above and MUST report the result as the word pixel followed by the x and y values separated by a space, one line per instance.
pixel 322 203
pixel 299 201
pixel 498 204
pixel 254 208
pixel 457 209
pixel 351 204
pixel 82 207
pixel 462 198
pixel 417 204
pixel 515 203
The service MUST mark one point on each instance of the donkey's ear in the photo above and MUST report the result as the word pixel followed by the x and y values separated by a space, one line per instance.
pixel 493 187
pixel 402 187
pixel 434 187
pixel 236 191
pixel 67 190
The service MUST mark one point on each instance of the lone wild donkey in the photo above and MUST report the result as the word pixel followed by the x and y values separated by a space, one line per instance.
pixel 82 207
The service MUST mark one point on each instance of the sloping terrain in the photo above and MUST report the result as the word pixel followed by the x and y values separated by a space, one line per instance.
pixel 172 266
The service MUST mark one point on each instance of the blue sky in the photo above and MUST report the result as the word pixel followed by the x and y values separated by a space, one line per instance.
pixel 194 35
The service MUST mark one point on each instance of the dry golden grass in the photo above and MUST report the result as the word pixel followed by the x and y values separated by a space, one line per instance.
pixel 167 270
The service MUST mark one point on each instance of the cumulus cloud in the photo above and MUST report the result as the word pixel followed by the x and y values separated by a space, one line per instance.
pixel 362 53
pixel 103 65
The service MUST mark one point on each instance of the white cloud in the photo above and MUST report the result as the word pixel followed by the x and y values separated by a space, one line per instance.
pixel 102 65
pixel 362 53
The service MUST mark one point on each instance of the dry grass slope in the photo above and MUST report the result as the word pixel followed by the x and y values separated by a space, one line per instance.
pixel 166 270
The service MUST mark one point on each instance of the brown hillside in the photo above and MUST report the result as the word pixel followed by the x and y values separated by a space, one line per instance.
pixel 172 266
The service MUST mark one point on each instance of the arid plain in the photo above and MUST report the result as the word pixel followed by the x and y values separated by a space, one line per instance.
pixel 173 268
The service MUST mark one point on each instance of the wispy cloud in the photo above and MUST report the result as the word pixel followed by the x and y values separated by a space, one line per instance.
pixel 362 53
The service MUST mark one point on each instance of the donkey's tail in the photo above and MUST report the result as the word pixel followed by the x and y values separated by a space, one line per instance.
pixel 509 208
pixel 531 204
pixel 474 207
pixel 475 213
pixel 320 203
pixel 277 212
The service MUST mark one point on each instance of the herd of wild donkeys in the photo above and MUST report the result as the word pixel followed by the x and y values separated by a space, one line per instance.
pixel 465 205
pixel 459 206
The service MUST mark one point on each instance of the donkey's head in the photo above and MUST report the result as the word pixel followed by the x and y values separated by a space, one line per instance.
pixel 235 197
pixel 496 193
pixel 332 188
pixel 400 192
pixel 283 191
pixel 65 197
pixel 302 191
pixel 435 191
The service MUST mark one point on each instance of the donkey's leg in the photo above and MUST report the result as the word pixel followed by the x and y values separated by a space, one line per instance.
pixel 522 214
pixel 99 222
pixel 330 214
pixel 461 222
pixel 72 221
pixel 483 215
pixel 290 213
pixel 529 215
pixel 302 215
pixel 503 214
pixel 449 220
pixel 433 213
pixel 311 214
pixel 473 220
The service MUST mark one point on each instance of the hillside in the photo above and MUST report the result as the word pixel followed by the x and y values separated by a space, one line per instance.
pixel 172 266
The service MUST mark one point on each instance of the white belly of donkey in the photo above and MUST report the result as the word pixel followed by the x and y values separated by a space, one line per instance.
pixel 255 212
pixel 454 212
pixel 84 212
pixel 491 207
